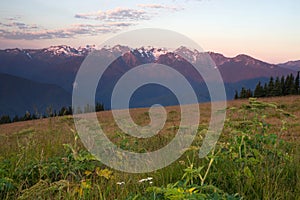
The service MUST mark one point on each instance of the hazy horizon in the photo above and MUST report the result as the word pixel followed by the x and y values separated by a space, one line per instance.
pixel 265 30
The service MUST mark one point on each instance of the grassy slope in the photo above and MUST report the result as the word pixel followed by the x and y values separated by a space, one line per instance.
pixel 38 141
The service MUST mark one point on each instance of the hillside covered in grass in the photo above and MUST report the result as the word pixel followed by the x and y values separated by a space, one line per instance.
pixel 256 157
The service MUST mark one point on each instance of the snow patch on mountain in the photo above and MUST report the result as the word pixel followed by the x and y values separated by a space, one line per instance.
pixel 28 55
pixel 64 50
pixel 158 52
pixel 190 55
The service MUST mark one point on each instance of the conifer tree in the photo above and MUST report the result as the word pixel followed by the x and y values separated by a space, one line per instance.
pixel 236 94
pixel 243 93
pixel 99 107
pixel 16 119
pixel 5 119
pixel 259 90
pixel 297 84
pixel 249 93
pixel 292 85
pixel 283 86
pixel 270 87
pixel 277 88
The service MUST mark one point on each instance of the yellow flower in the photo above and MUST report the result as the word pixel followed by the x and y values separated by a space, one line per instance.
pixel 85 185
pixel 180 190
pixel 87 172
pixel 106 173
pixel 191 190
pixel 80 192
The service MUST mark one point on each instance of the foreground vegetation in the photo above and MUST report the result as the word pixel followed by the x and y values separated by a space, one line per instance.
pixel 257 157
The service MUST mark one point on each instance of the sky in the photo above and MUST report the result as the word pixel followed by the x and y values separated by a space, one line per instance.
pixel 264 29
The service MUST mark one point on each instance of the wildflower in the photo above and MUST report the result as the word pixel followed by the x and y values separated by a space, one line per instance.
pixel 191 190
pixel 85 184
pixel 145 179
pixel 142 180
pixel 106 173
pixel 181 162
pixel 87 172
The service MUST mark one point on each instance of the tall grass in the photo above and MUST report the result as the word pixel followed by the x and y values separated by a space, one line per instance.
pixel 257 157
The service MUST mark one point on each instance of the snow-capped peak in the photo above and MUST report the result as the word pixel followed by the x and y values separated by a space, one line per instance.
pixel 87 48
pixel 15 50
pixel 69 51
pixel 151 52
pixel 116 49
pixel 191 55
pixel 159 51
pixel 62 50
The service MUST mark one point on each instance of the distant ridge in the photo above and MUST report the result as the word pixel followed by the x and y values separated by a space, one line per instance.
pixel 19 95
pixel 293 65
pixel 58 65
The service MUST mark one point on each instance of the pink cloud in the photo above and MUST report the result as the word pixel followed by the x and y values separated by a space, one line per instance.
pixel 117 14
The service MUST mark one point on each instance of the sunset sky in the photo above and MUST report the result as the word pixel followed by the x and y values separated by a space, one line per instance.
pixel 267 30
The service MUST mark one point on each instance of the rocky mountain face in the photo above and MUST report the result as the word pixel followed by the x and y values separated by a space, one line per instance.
pixel 58 65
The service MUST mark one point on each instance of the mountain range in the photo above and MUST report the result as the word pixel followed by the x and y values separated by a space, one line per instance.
pixel 34 79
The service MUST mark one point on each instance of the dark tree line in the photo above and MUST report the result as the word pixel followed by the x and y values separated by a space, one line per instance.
pixel 4 119
pixel 283 86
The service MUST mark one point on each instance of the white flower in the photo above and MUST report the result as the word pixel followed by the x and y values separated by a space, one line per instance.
pixel 142 180
pixel 121 183
pixel 145 179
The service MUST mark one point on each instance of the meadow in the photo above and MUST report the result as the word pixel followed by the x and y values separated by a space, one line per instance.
pixel 256 157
